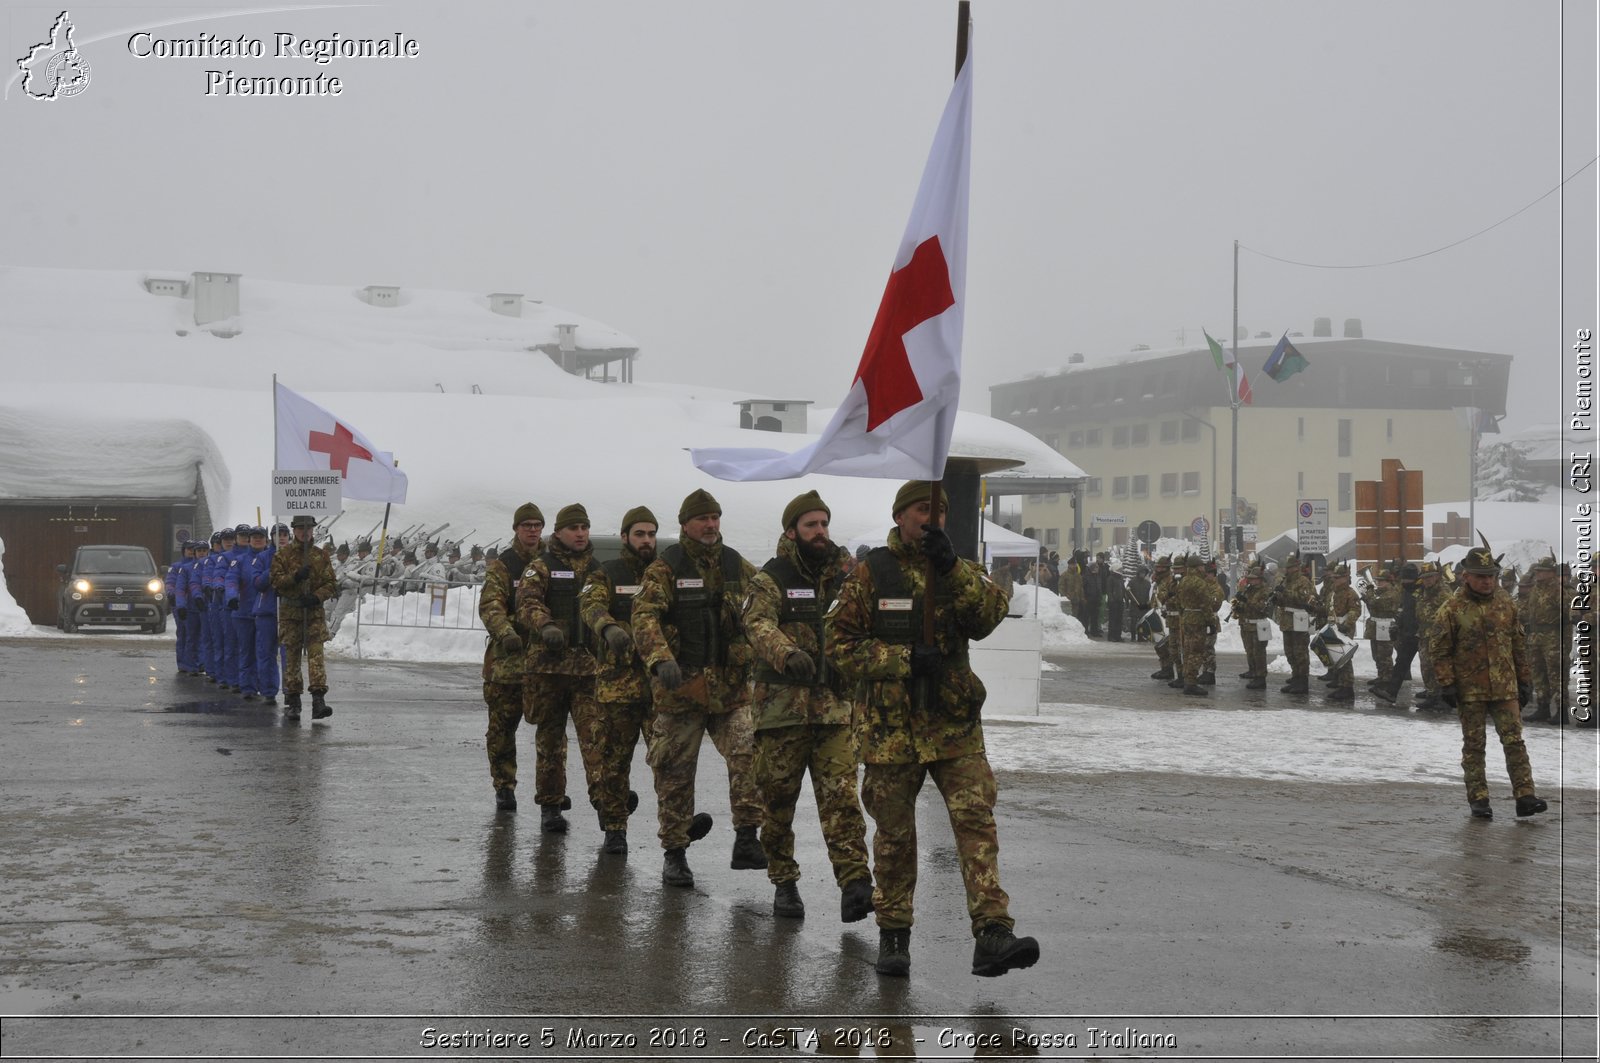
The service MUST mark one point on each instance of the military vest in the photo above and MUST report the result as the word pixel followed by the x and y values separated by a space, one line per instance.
pixel 697 610
pixel 624 585
pixel 799 602
pixel 516 565
pixel 897 613
pixel 561 598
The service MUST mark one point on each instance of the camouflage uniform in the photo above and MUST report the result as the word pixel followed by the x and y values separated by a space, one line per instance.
pixel 1165 599
pixel 714 696
pixel 502 671
pixel 1199 618
pixel 559 683
pixel 621 687
pixel 1344 611
pixel 801 725
pixel 1430 596
pixel 1542 610
pixel 903 743
pixel 1383 603
pixel 1208 670
pixel 302 627
pixel 1070 586
pixel 1294 592
pixel 1250 605
pixel 1479 649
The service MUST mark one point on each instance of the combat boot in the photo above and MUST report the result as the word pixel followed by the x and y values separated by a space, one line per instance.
pixel 855 901
pixel 675 869
pixel 747 851
pixel 1480 808
pixel 1325 677
pixel 1208 679
pixel 505 799
pixel 700 826
pixel 1165 673
pixel 1529 805
pixel 1541 711
pixel 551 821
pixel 998 950
pixel 1342 694
pixel 894 952
pixel 1196 691
pixel 1247 675
pixel 291 706
pixel 319 708
pixel 1296 686
pixel 1177 684
pixel 616 843
pixel 1384 694
pixel 786 902
pixel 1257 683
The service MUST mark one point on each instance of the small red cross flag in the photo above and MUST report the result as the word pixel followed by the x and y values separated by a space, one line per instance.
pixel 901 408
pixel 309 437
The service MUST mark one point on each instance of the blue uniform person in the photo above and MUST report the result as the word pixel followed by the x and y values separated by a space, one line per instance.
pixel 233 667
pixel 187 612
pixel 266 613
pixel 240 591
pixel 170 582
pixel 177 594
pixel 210 640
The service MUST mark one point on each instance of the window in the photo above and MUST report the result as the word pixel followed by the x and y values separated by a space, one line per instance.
pixel 1060 398
pixel 1169 431
pixel 1191 483
pixel 1141 435
pixel 1094 535
pixel 1052 537
pixel 1091 437
pixel 1119 536
pixel 1344 492
pixel 1074 439
pixel 1169 483
pixel 1051 500
pixel 1119 487
pixel 1300 430
pixel 1169 382
pixel 1119 436
pixel 1169 531
pixel 1191 431
pixel 1389 429
pixel 1100 392
pixel 1094 486
pixel 1300 483
pixel 1344 437
pixel 780 407
pixel 1071 397
pixel 1141 486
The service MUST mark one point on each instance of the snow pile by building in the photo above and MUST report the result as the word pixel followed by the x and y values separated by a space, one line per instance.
pixel 13 621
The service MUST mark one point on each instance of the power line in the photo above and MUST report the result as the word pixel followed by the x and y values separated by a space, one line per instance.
pixel 1435 251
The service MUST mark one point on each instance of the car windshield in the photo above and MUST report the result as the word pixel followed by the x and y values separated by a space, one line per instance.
pixel 129 562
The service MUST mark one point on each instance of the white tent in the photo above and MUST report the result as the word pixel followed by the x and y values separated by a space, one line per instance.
pixel 1002 542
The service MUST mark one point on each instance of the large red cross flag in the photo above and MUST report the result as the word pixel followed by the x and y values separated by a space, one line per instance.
pixel 901 408
pixel 309 437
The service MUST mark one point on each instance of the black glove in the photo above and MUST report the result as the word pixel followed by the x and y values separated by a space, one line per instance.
pixel 310 601
pixel 1524 694
pixel 182 612
pixel 799 665
pixel 670 674
pixel 925 660
pixel 304 573
pixel 618 640
pixel 1448 695
pixel 200 604
pixel 938 548
pixel 552 637
pixel 510 643
pixel 233 603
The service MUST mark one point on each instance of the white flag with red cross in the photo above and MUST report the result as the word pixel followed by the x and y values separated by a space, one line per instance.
pixel 309 437
pixel 897 419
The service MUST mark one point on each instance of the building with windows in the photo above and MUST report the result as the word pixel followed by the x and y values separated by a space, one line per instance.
pixel 1153 429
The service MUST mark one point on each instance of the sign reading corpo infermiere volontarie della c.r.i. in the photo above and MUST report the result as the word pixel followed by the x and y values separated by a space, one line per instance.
pixel 147 44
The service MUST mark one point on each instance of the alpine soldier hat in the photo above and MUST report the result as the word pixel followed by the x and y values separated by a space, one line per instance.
pixel 304 520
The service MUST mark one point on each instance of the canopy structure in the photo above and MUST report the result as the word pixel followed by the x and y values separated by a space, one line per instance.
pixel 999 541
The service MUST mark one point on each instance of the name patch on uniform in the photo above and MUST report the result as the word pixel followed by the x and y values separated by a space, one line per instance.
pixel 691 584
pixel 802 592
pixel 563 574
pixel 629 589
pixel 894 605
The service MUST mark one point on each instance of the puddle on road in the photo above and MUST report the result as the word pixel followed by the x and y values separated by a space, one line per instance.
pixel 1478 947
pixel 231 711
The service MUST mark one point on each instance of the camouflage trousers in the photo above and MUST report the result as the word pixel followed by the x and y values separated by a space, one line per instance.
pixel 1547 651
pixel 544 707
pixel 889 792
pixel 1383 657
pixel 1255 651
pixel 1296 650
pixel 1425 665
pixel 500 740
pixel 782 758
pixel 289 637
pixel 608 733
pixel 1508 723
pixel 1195 639
pixel 673 753
pixel 1164 652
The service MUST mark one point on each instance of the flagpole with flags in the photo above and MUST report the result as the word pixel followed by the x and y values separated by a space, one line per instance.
pixel 1233 460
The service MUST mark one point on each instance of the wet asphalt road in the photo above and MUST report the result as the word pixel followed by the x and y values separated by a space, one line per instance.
pixel 185 874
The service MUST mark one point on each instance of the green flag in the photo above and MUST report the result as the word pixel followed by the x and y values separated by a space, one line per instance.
pixel 1216 350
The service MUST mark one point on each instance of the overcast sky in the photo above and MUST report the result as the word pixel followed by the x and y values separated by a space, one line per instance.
pixel 727 180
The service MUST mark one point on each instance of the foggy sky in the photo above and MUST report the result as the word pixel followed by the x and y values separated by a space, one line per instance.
pixel 726 180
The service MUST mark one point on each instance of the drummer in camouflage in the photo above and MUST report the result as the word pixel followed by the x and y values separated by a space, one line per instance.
pixel 1480 659
pixel 921 716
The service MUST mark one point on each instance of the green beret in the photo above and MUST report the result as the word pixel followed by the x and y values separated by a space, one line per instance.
pixel 304 520
pixel 802 505
pixel 527 511
pixel 913 491
pixel 570 515
pixel 698 504
pixel 635 516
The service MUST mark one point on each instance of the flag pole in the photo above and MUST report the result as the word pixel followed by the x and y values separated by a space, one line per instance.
pixel 1233 501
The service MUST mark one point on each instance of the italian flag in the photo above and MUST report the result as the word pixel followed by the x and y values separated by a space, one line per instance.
pixel 1235 371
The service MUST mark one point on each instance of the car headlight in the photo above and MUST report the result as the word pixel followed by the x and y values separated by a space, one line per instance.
pixel 155 587
pixel 81 586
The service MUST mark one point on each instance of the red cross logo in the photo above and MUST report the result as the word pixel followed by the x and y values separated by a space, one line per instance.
pixel 340 448
pixel 916 292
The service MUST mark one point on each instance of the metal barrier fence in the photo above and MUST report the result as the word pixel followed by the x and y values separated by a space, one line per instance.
pixel 449 606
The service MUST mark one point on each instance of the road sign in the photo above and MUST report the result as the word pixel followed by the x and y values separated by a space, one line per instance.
pixel 1148 532
pixel 1199 526
pixel 1115 520
pixel 1311 525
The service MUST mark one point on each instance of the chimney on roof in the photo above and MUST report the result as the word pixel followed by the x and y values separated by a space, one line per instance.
pixel 507 303
pixel 1075 358
pixel 382 294
pixel 216 296
pixel 1322 326
pixel 1352 328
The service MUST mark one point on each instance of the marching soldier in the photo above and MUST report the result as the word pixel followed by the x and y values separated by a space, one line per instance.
pixel 559 669
pixel 1344 610
pixel 303 578
pixel 1199 617
pixel 1249 607
pixel 1541 610
pixel 1480 658
pixel 1164 596
pixel 1430 596
pixel 1219 594
pixel 802 718
pixel 686 627
pixel 502 666
pixel 1383 607
pixel 1296 595
pixel 921 716
pixel 621 686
